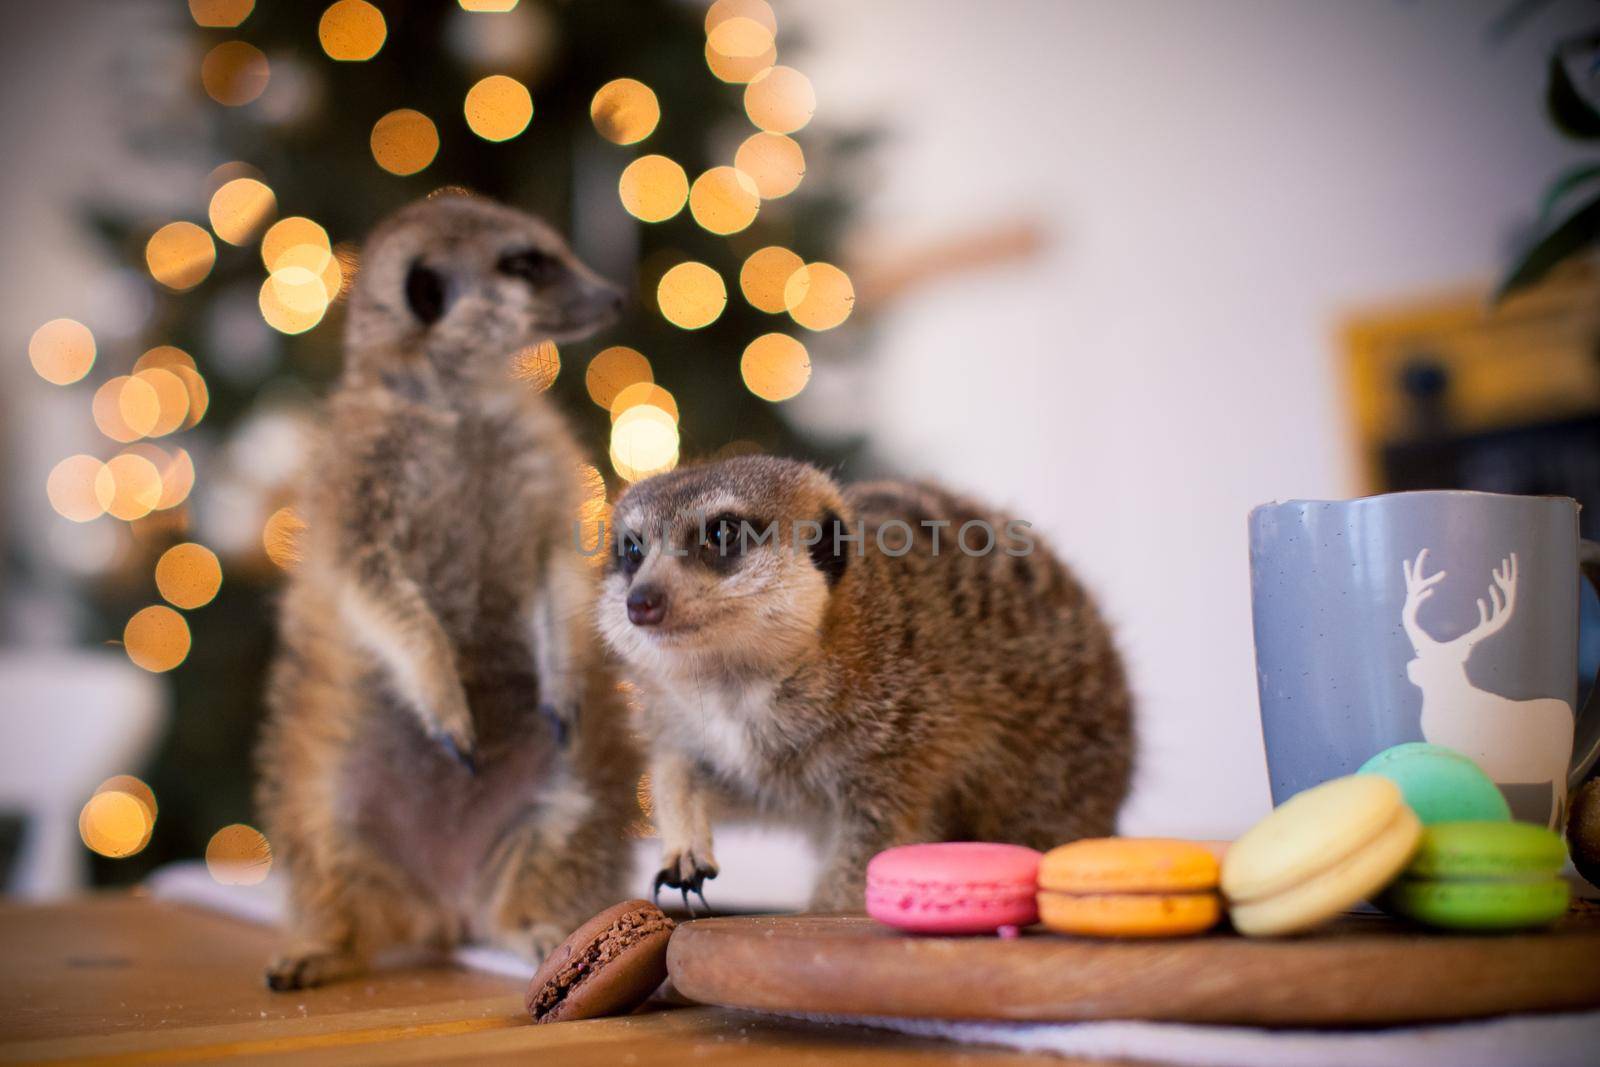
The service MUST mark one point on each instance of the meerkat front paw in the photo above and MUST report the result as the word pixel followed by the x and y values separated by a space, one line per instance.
pixel 308 968
pixel 686 870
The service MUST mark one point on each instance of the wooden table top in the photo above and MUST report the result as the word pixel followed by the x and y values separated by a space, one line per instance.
pixel 119 979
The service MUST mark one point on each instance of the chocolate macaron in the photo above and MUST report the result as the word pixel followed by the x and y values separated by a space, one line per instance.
pixel 609 966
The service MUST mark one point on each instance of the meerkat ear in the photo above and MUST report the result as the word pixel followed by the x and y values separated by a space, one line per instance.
pixel 831 553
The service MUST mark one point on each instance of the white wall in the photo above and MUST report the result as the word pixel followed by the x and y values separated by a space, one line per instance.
pixel 1221 180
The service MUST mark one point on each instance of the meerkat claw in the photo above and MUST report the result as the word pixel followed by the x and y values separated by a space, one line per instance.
pixel 662 879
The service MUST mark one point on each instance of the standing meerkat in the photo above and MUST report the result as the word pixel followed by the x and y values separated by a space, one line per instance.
pixel 876 689
pixel 425 774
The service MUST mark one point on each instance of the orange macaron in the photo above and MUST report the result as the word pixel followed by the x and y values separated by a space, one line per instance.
pixel 1129 887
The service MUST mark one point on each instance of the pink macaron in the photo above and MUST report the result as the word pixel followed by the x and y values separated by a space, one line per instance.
pixel 959 887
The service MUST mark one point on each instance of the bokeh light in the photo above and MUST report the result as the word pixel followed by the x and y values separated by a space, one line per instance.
pixel 612 370
pixel 653 188
pixel 775 367
pixel 62 351
pixel 115 824
pixel 240 208
pixel 238 855
pixel 135 788
pixel 199 395
pixel 739 70
pixel 156 638
pixel 625 111
pixel 538 365
pixel 281 537
pixel 780 100
pixel 644 393
pixel 167 357
pixel 177 479
pixel 172 399
pixel 129 485
pixel 774 162
pixel 765 274
pixel 352 31
pixel 234 73
pixel 724 200
pixel 304 281
pixel 498 108
pixel 188 575
pixel 180 255
pixel 404 141
pixel 740 38
pixel 819 296
pixel 756 10
pixel 74 489
pixel 488 6
pixel 220 14
pixel 125 408
pixel 691 295
pixel 644 441
pixel 290 233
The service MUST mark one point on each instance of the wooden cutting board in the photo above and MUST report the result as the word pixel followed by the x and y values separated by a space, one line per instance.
pixel 1361 971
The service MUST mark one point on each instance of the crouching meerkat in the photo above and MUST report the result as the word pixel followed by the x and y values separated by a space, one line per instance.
pixel 840 658
pixel 444 756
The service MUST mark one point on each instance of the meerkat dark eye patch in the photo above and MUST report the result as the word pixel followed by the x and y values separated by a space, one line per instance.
pixel 724 539
pixel 425 293
pixel 532 266
pixel 831 553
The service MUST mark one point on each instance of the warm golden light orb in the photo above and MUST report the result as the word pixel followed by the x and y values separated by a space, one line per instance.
pixel 644 441
pixel 62 351
pixel 625 111
pixel 172 400
pixel 691 295
pixel 780 100
pixel 156 638
pixel 819 296
pixel 288 233
pixel 775 367
pixel 115 824
pixel 240 208
pixel 538 365
pixel 130 485
pixel 644 393
pixel 238 855
pixel 180 255
pixel 724 200
pixel 234 73
pixel 188 575
pixel 352 31
pixel 220 14
pixel 73 489
pixel 612 370
pixel 653 188
pixel 498 108
pixel 765 274
pixel 774 162
pixel 281 537
pixel 404 141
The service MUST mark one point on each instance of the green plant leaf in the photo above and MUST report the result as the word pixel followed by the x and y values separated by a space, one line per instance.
pixel 1581 229
pixel 1572 114
pixel 1568 180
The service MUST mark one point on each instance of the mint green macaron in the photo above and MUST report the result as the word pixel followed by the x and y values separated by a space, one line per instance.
pixel 1483 876
pixel 1440 784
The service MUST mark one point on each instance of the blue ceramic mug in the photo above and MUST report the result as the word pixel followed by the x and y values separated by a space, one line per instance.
pixel 1449 617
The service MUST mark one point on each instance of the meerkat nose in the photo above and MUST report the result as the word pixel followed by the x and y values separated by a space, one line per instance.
pixel 647 606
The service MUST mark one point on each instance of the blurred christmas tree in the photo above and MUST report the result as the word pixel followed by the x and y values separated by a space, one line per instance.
pixel 655 132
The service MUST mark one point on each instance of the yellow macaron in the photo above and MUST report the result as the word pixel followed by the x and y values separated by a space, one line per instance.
pixel 1129 887
pixel 1317 854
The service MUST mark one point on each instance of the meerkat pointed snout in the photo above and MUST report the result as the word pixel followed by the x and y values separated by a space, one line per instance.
pixel 444 756
pixel 883 664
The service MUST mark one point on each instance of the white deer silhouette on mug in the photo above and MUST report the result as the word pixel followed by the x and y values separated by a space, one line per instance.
pixel 1514 741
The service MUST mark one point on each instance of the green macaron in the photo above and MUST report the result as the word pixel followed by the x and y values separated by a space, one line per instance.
pixel 1483 876
pixel 1440 784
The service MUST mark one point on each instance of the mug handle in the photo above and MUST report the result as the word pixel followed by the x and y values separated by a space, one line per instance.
pixel 1586 741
